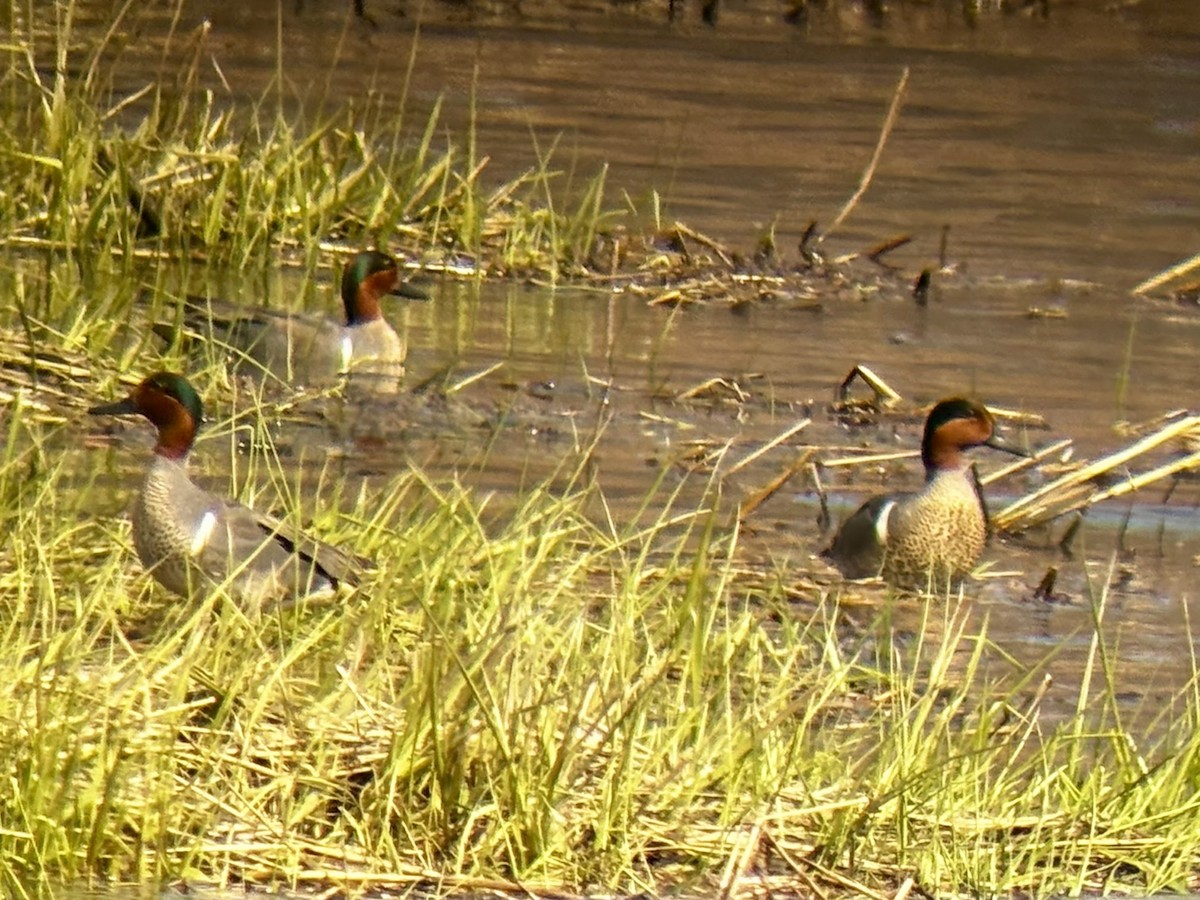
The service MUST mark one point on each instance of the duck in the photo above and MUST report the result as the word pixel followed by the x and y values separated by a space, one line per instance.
pixel 931 538
pixel 192 541
pixel 303 350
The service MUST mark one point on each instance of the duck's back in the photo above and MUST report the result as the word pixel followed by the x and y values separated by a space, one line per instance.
pixel 294 348
pixel 303 350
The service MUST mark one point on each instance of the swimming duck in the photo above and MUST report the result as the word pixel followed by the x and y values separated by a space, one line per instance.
pixel 934 536
pixel 191 540
pixel 301 349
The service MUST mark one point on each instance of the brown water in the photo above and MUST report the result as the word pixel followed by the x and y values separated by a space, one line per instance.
pixel 1063 153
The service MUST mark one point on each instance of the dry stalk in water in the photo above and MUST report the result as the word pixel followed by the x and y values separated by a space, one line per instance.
pixel 869 173
pixel 1176 271
pixel 1079 489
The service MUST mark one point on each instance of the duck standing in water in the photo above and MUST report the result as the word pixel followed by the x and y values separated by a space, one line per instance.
pixel 299 349
pixel 191 540
pixel 933 537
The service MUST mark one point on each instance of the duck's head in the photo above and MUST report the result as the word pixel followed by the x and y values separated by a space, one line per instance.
pixel 167 400
pixel 955 425
pixel 369 276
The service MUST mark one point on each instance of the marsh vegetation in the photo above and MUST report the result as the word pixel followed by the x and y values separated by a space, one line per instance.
pixel 539 695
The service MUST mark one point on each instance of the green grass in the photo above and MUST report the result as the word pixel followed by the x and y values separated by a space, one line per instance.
pixel 539 697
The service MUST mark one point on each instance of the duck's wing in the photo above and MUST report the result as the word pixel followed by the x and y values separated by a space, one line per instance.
pixel 235 542
pixel 291 346
pixel 989 528
pixel 858 547
pixel 245 327
pixel 334 564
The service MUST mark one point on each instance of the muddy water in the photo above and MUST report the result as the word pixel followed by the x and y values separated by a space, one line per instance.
pixel 1061 153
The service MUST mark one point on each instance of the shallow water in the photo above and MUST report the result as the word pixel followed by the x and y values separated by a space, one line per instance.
pixel 1060 152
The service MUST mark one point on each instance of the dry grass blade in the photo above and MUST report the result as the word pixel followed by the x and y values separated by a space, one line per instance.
pixel 52 383
pixel 749 504
pixel 685 231
pixel 869 459
pixel 1027 462
pixel 768 446
pixel 335 878
pixel 799 865
pixel 1017 417
pixel 739 861
pixel 1137 482
pixel 884 393
pixel 714 387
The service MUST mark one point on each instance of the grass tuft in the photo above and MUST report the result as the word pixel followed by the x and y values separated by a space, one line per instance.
pixel 166 170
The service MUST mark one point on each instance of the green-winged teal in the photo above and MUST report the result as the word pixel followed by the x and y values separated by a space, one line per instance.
pixel 933 537
pixel 191 540
pixel 301 349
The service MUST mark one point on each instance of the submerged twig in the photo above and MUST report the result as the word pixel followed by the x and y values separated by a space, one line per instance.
pixel 824 519
pixel 468 380
pixel 920 290
pixel 1045 589
pixel 876 253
